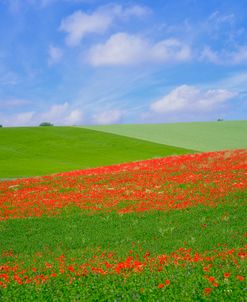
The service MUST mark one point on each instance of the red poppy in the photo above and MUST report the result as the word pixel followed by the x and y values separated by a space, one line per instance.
pixel 207 290
pixel 240 278
pixel 227 275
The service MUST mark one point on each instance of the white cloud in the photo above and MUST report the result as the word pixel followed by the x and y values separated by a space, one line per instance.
pixel 120 49
pixel 217 19
pixel 135 11
pixel 24 118
pixel 208 54
pixel 74 117
pixel 58 114
pixel 108 117
pixel 185 98
pixel 225 57
pixel 170 50
pixel 239 56
pixel 80 24
pixel 125 49
pixel 55 54
pixel 62 114
pixel 19 119
pixel 236 81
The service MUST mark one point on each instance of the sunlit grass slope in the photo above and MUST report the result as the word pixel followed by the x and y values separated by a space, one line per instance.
pixel 203 136
pixel 31 151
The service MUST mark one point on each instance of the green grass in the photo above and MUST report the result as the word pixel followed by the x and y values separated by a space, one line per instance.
pixel 75 234
pixel 31 151
pixel 156 231
pixel 202 136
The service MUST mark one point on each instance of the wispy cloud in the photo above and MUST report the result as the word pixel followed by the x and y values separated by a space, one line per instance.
pixel 55 54
pixel 45 3
pixel 13 103
pixel 108 117
pixel 8 78
pixel 225 56
pixel 16 5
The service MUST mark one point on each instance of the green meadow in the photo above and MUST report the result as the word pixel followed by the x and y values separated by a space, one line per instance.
pixel 201 136
pixel 32 151
pixel 61 257
pixel 77 236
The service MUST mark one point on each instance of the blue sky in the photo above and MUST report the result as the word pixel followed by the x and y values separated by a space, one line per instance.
pixel 74 62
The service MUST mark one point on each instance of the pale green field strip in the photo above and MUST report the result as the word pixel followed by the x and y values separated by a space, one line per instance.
pixel 201 136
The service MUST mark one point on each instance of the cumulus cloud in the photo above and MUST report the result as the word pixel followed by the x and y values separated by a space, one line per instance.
pixel 58 114
pixel 125 49
pixel 74 117
pixel 62 114
pixel 225 57
pixel 55 55
pixel 19 119
pixel 108 117
pixel 185 98
pixel 79 24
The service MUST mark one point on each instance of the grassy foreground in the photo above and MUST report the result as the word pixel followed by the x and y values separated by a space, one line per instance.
pixel 35 151
pixel 170 229
pixel 64 248
pixel 203 136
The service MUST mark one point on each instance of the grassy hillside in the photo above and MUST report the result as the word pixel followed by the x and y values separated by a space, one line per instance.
pixel 44 150
pixel 203 136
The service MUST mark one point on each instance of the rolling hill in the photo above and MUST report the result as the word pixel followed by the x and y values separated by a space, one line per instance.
pixel 31 151
pixel 201 136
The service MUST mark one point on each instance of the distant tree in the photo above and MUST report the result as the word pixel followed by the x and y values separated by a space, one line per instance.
pixel 1 126
pixel 46 124
pixel 220 119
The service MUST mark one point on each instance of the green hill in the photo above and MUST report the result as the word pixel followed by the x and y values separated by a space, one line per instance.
pixel 202 136
pixel 31 151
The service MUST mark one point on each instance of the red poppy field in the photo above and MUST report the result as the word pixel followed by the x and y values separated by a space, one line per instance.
pixel 170 229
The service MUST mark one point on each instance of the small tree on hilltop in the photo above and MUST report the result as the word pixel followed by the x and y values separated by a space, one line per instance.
pixel 46 124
